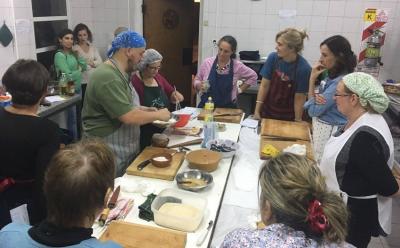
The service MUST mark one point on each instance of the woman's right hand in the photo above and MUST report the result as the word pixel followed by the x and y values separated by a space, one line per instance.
pixel 204 86
pixel 257 115
pixel 316 70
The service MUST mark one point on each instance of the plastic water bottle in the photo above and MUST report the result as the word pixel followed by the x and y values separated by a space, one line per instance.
pixel 209 110
pixel 209 128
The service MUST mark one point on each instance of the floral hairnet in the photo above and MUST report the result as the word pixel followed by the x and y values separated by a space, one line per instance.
pixel 368 89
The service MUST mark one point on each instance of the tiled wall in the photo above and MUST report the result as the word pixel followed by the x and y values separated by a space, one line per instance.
pixel 255 24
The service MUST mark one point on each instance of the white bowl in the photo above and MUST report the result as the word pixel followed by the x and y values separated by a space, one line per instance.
pixel 224 144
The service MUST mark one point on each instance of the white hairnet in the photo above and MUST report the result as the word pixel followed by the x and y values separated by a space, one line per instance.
pixel 150 56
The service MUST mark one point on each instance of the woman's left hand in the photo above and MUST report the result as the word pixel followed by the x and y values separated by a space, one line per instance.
pixel 320 99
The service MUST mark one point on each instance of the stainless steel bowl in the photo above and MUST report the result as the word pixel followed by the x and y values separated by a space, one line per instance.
pixel 188 180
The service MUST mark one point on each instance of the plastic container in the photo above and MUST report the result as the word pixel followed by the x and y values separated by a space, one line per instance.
pixel 178 221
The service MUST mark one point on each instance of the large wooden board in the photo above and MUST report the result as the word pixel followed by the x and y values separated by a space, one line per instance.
pixel 282 144
pixel 131 235
pixel 228 115
pixel 167 173
pixel 285 129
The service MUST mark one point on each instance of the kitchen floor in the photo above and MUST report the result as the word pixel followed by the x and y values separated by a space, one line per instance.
pixel 392 240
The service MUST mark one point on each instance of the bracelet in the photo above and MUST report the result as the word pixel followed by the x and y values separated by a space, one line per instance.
pixel 259 101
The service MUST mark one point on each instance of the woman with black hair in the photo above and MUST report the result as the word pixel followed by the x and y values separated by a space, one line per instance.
pixel 67 61
pixel 27 142
pixel 223 73
pixel 337 59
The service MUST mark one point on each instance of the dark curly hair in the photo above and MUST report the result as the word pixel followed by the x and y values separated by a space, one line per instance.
pixel 80 27
pixel 346 60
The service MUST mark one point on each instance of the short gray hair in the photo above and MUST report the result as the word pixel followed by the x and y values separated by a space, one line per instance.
pixel 150 56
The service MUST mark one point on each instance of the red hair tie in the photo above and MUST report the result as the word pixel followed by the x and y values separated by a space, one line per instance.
pixel 316 217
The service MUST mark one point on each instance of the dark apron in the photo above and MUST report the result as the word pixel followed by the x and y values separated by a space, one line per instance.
pixel 147 130
pixel 279 102
pixel 220 88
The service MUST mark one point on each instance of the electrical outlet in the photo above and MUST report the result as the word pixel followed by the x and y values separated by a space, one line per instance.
pixel 205 23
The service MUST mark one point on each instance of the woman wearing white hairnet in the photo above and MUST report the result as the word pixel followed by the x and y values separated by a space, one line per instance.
pixel 357 160
pixel 153 90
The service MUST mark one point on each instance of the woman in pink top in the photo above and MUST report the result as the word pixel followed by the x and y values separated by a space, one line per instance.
pixel 223 72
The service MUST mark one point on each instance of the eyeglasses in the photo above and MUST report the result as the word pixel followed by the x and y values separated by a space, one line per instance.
pixel 154 68
pixel 337 95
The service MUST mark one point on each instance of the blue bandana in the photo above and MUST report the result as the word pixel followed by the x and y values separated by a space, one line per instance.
pixel 127 39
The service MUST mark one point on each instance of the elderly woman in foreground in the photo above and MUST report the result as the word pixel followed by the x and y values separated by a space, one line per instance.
pixel 357 160
pixel 296 208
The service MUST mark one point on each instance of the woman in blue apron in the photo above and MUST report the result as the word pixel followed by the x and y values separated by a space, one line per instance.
pixel 285 77
pixel 227 77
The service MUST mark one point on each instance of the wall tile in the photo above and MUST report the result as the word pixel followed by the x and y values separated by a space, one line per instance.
pixel 228 6
pixel 334 24
pixel 228 20
pixel 320 8
pixel 289 4
pixel 257 21
pixel 303 22
pixel 257 7
pixel 354 9
pixel 243 21
pixel 273 6
pixel 98 3
pixel 22 3
pixel 5 4
pixel 351 24
pixel 244 7
pixel 336 8
pixel 304 7
pixel 318 23
pixel 272 22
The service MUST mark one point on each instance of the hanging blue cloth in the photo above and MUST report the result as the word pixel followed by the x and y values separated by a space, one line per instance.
pixel 220 88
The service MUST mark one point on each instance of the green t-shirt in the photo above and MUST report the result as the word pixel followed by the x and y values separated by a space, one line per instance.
pixel 108 96
pixel 71 65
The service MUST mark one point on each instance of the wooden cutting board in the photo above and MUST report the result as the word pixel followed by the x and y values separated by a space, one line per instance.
pixel 167 173
pixel 282 144
pixel 131 235
pixel 229 115
pixel 285 129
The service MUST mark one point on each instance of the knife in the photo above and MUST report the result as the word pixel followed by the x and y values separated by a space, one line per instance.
pixel 143 164
pixel 203 235
pixel 111 204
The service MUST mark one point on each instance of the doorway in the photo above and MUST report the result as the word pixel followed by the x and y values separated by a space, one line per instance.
pixel 172 27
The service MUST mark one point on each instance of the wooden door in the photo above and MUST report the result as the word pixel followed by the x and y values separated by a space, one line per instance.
pixel 168 28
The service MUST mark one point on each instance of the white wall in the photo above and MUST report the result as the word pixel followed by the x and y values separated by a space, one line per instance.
pixel 255 24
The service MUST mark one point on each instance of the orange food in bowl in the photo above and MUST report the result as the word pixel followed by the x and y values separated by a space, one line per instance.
pixel 183 120
pixel 203 159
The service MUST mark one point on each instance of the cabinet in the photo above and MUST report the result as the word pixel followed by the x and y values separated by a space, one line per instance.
pixel 247 100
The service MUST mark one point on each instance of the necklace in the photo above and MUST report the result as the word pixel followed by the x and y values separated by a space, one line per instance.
pixel 115 64
pixel 223 68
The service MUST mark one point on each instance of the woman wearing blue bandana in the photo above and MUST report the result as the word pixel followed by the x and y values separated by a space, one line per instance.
pixel 111 109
